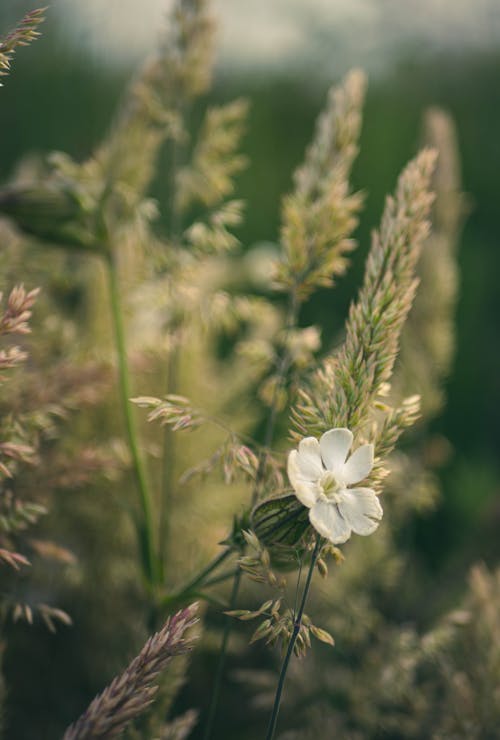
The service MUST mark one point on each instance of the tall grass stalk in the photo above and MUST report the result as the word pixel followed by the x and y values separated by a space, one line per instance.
pixel 283 365
pixel 172 370
pixel 145 528
pixel 221 663
pixel 327 162
pixel 296 629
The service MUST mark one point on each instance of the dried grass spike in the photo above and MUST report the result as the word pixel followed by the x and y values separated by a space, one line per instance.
pixel 24 34
pixel 131 693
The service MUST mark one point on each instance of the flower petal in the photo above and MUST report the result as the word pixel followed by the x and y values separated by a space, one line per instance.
pixel 361 509
pixel 306 491
pixel 334 445
pixel 309 459
pixel 329 522
pixel 358 466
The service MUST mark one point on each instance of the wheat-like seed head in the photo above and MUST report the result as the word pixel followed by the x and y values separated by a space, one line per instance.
pixel 133 691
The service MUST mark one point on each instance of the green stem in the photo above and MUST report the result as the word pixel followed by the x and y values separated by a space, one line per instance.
pixel 145 528
pixel 222 659
pixel 220 578
pixel 202 596
pixel 168 458
pixel 282 369
pixel 296 629
pixel 197 580
pixel 200 577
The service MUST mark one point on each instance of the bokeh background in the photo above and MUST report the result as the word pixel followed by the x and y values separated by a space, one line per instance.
pixel 283 55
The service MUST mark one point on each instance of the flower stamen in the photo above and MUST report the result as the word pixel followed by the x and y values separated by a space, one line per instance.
pixel 329 486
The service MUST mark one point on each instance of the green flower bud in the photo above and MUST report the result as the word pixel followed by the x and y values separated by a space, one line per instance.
pixel 50 214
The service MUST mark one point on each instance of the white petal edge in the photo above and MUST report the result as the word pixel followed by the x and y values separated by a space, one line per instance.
pixel 309 459
pixel 358 466
pixel 292 467
pixel 329 522
pixel 306 491
pixel 361 509
pixel 334 445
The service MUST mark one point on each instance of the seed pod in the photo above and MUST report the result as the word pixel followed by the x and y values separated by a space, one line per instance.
pixel 322 635
pixel 252 540
pixel 265 606
pixel 273 581
pixel 262 631
pixel 299 647
pixel 275 611
pixel 257 578
pixel 265 559
pixel 305 635
pixel 51 214
pixel 322 568
pixel 248 562
pixel 281 520
pixel 238 613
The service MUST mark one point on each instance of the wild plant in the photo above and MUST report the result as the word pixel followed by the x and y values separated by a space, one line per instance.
pixel 382 679
pixel 302 435
pixel 130 694
pixel 21 427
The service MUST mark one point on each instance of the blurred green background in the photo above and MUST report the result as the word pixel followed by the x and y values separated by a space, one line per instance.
pixel 64 89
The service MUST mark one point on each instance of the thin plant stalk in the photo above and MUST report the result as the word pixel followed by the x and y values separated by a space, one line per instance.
pixel 282 369
pixel 168 453
pixel 220 578
pixel 222 658
pixel 145 528
pixel 198 580
pixel 168 457
pixel 296 629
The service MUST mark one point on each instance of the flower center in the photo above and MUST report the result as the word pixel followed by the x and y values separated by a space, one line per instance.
pixel 330 486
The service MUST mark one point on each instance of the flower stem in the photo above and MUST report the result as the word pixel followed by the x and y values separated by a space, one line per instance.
pixel 282 369
pixel 168 457
pixel 296 629
pixel 222 658
pixel 169 437
pixel 145 528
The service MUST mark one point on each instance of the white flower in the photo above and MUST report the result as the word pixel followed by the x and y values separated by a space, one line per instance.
pixel 321 474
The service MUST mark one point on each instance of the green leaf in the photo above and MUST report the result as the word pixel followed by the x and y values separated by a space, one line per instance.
pixel 281 520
